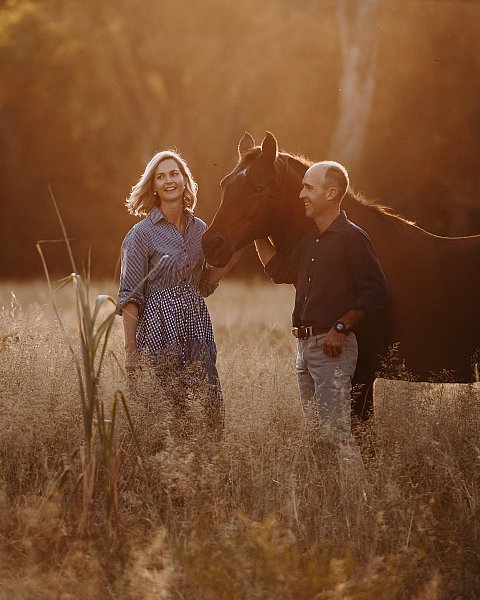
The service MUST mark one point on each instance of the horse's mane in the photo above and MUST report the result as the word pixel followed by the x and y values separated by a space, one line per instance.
pixel 287 162
pixel 299 160
pixel 386 210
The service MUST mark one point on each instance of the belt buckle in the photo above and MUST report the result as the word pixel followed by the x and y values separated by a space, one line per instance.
pixel 301 333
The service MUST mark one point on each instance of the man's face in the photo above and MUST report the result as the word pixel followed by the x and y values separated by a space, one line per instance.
pixel 315 192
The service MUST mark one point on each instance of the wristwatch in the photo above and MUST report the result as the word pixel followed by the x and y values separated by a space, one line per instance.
pixel 341 328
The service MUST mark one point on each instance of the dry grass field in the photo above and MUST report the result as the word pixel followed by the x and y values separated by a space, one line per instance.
pixel 270 511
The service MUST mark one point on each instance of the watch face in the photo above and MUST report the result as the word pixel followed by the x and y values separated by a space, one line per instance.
pixel 340 327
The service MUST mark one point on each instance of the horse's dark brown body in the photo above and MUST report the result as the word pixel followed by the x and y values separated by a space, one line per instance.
pixel 434 282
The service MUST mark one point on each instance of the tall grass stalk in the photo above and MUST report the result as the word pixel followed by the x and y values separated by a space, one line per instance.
pixel 94 335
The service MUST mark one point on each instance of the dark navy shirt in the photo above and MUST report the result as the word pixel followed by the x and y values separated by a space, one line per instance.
pixel 333 272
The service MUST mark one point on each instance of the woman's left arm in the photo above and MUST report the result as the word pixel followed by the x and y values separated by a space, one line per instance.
pixel 217 273
pixel 212 275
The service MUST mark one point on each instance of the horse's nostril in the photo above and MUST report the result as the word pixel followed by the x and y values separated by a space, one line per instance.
pixel 215 249
pixel 215 243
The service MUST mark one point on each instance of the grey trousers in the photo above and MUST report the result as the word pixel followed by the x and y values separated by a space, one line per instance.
pixel 325 384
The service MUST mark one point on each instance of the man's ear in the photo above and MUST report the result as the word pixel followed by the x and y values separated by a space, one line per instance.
pixel 332 193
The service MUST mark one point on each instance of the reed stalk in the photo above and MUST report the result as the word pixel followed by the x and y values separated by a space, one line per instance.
pixel 93 332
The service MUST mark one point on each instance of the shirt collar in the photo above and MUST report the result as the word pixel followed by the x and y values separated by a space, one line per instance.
pixel 156 215
pixel 337 223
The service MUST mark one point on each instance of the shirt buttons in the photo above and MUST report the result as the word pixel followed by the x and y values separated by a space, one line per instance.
pixel 313 259
pixel 317 240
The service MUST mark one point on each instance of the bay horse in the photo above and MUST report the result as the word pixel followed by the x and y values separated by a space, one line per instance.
pixel 434 282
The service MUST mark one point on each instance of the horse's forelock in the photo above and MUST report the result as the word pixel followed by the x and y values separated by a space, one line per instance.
pixel 248 158
pixel 242 165
pixel 284 164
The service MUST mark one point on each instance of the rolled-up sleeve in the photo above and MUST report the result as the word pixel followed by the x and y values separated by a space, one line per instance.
pixel 205 288
pixel 370 280
pixel 134 270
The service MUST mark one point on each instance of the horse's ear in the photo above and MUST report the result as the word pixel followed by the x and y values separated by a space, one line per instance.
pixel 245 144
pixel 269 147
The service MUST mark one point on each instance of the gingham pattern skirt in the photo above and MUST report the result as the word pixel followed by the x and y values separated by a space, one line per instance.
pixel 176 320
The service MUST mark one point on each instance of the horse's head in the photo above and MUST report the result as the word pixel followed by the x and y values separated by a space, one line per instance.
pixel 248 203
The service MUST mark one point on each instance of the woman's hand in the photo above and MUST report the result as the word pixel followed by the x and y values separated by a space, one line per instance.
pixel 133 360
pixel 215 274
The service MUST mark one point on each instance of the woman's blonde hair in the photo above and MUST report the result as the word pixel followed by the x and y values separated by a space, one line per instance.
pixel 142 199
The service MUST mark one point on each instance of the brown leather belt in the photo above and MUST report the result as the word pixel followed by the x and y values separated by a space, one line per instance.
pixel 303 333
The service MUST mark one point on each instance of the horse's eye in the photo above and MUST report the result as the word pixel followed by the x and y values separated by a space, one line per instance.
pixel 258 189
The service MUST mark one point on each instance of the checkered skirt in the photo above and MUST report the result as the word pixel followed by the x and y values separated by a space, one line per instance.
pixel 176 320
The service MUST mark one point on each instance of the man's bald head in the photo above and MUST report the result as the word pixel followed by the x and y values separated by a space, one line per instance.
pixel 332 174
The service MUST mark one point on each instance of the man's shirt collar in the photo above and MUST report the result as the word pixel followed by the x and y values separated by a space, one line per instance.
pixel 338 222
pixel 335 225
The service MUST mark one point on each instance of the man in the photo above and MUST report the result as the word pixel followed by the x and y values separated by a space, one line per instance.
pixel 339 283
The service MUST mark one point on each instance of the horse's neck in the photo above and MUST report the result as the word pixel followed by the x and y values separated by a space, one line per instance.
pixel 356 210
pixel 288 232
pixel 290 222
pixel 390 234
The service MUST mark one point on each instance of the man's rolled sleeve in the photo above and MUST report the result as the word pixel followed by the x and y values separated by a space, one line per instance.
pixel 369 277
pixel 134 271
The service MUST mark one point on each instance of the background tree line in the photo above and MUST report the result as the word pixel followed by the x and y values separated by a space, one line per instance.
pixel 90 91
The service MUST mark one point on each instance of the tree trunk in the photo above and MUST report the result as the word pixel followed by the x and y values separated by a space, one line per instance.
pixel 358 29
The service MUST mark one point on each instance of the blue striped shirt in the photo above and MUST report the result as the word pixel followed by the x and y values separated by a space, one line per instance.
pixel 165 274
pixel 156 253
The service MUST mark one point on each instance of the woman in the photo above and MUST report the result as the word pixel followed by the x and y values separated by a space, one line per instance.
pixel 164 276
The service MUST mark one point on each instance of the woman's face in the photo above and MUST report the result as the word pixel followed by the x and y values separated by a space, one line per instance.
pixel 168 181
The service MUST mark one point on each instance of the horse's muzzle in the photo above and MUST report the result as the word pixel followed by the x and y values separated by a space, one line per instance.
pixel 216 249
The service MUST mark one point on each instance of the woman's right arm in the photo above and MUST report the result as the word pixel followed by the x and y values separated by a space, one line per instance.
pixel 131 293
pixel 130 321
